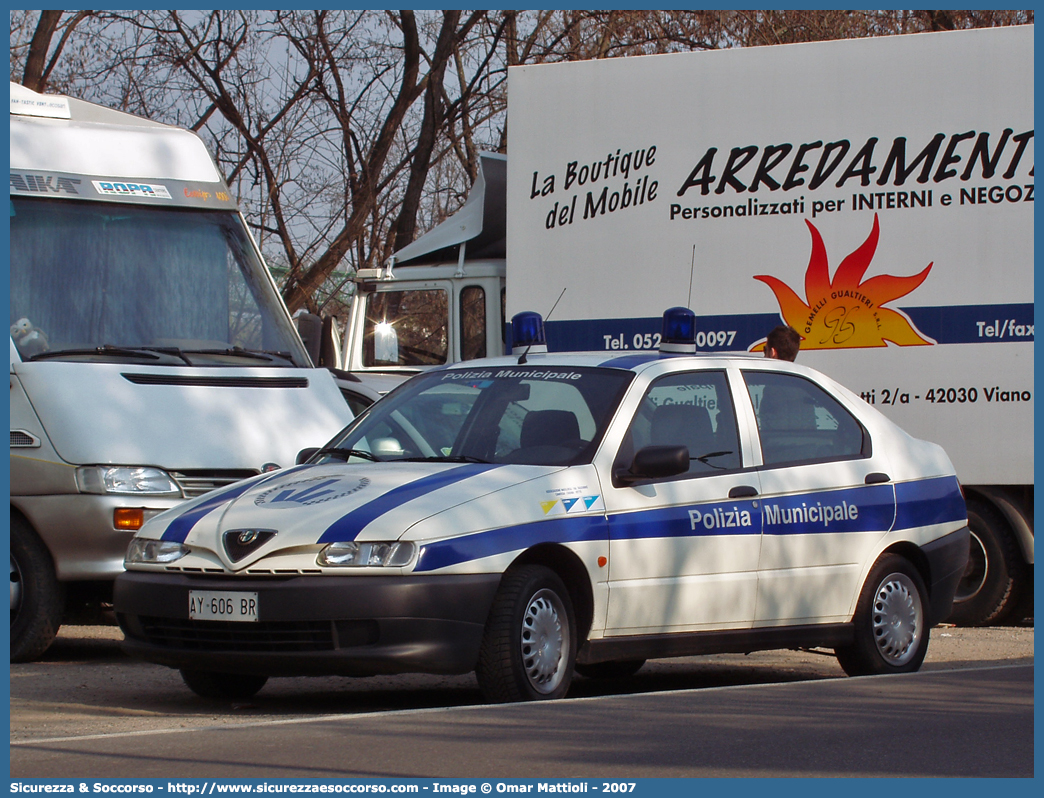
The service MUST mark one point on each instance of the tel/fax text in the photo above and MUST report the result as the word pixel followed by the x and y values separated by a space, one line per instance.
pixel 1004 328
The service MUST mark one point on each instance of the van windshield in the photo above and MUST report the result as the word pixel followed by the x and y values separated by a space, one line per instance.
pixel 111 282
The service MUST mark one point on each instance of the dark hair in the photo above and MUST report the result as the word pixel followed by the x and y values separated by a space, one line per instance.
pixel 785 340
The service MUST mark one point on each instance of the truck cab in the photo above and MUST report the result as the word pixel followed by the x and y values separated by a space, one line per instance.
pixel 439 300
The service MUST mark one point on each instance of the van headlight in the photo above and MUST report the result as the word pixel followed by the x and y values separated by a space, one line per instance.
pixel 353 554
pixel 132 480
pixel 148 550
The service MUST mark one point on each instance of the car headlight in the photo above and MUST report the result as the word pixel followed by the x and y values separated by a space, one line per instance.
pixel 148 550
pixel 353 554
pixel 133 480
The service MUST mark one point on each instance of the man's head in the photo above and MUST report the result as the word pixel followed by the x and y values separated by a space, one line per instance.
pixel 783 343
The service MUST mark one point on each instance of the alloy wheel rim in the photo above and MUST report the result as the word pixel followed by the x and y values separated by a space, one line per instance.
pixel 544 636
pixel 975 572
pixel 897 619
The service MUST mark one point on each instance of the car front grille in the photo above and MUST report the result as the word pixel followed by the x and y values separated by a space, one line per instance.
pixel 196 483
pixel 262 636
pixel 259 637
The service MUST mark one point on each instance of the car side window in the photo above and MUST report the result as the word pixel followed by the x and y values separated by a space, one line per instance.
pixel 799 422
pixel 692 409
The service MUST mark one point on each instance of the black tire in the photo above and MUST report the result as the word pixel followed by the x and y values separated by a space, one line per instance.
pixel 529 644
pixel 223 686
pixel 891 621
pixel 989 589
pixel 621 669
pixel 37 597
pixel 1023 612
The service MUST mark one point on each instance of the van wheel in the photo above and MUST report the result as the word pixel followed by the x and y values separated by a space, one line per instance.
pixel 529 644
pixel 37 597
pixel 611 670
pixel 223 686
pixel 988 590
pixel 891 621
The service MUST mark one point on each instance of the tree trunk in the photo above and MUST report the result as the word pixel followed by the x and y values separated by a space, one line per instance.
pixel 406 224
pixel 36 61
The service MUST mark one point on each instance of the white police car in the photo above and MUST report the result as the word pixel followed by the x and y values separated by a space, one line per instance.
pixel 528 516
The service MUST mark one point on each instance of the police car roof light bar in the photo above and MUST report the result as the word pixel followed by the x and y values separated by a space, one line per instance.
pixel 527 333
pixel 679 331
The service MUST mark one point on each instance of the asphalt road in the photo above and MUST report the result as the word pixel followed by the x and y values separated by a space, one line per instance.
pixel 88 712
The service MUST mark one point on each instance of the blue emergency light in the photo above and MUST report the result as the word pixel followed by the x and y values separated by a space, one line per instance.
pixel 527 333
pixel 679 331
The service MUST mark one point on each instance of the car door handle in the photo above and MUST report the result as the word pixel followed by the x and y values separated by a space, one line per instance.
pixel 743 491
pixel 876 478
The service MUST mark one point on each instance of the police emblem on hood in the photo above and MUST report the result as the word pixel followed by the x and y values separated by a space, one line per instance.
pixel 306 492
pixel 241 542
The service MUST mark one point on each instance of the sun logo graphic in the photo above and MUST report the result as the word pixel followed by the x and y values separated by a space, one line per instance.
pixel 847 312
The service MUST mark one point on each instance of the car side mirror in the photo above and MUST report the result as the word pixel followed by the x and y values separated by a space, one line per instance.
pixel 655 462
pixel 305 455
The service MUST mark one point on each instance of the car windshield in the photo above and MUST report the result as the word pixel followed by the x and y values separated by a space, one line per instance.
pixel 532 415
pixel 126 283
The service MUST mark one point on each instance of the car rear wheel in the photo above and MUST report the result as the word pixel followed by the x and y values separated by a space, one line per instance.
pixel 37 597
pixel 987 591
pixel 891 621
pixel 529 644
pixel 223 686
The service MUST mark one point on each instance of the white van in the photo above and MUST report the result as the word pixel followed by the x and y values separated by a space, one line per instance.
pixel 152 358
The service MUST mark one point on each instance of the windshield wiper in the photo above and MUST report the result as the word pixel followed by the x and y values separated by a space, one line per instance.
pixel 238 351
pixel 106 350
pixel 346 453
pixel 446 458
pixel 173 351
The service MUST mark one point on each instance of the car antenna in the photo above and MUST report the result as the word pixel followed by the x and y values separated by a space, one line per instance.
pixel 692 269
pixel 522 357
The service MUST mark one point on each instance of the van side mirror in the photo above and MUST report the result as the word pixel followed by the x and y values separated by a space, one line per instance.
pixel 654 462
pixel 329 348
pixel 310 328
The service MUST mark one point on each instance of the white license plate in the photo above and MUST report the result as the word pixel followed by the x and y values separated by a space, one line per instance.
pixel 222 605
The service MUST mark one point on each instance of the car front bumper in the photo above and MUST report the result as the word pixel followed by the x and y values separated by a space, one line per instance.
pixel 311 625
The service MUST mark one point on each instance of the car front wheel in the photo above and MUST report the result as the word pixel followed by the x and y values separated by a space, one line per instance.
pixel 891 621
pixel 529 644
pixel 37 597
